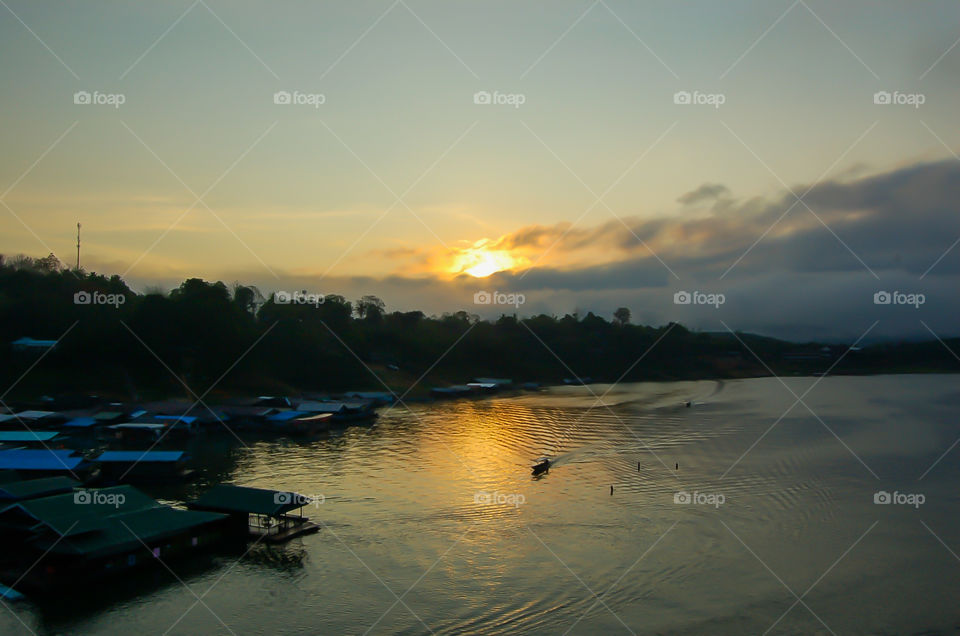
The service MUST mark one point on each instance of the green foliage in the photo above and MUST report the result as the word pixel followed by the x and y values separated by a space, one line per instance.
pixel 202 333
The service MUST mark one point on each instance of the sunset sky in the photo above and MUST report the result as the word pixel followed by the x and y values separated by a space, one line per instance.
pixel 587 188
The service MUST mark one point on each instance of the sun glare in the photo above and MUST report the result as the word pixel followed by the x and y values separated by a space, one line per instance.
pixel 480 262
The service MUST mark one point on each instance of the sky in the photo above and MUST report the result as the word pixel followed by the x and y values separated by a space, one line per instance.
pixel 778 163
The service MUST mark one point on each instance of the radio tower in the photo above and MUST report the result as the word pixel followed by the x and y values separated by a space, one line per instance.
pixel 78 247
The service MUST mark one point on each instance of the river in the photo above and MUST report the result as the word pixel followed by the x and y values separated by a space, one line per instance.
pixel 747 512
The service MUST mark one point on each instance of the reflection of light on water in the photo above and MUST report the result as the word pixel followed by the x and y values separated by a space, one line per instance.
pixel 402 498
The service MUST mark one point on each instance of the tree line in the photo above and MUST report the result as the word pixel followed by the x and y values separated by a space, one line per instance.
pixel 119 342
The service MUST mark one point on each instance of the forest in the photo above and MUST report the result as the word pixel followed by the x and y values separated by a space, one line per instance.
pixel 231 339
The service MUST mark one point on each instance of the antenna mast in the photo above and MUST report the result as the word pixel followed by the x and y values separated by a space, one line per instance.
pixel 78 246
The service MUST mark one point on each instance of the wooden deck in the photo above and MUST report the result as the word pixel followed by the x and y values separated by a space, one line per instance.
pixel 282 529
pixel 307 527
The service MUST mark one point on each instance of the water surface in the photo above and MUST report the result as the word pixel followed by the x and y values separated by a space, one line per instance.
pixel 411 542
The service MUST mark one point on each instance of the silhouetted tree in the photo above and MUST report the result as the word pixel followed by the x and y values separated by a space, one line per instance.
pixel 622 316
pixel 370 308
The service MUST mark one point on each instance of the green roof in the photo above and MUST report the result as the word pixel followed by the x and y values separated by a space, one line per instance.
pixel 240 499
pixel 76 512
pixel 32 488
pixel 128 532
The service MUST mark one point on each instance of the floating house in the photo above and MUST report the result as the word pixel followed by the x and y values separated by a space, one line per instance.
pixel 483 387
pixel 78 537
pixel 180 425
pixel 133 432
pixel 245 417
pixel 79 424
pixel 33 418
pixel 500 382
pixel 34 488
pixel 10 594
pixel 30 438
pixel 152 465
pixel 46 463
pixel 109 417
pixel 381 398
pixel 31 345
pixel 188 415
pixel 457 390
pixel 274 401
pixel 258 512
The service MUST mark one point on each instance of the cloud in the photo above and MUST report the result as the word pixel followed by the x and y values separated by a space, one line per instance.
pixel 786 270
pixel 903 219
pixel 706 191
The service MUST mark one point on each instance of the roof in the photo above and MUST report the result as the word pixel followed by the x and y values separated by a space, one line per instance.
pixel 139 425
pixel 249 411
pixel 103 521
pixel 331 407
pixel 9 593
pixel 81 422
pixel 139 456
pixel 27 436
pixel 373 395
pixel 5 417
pixel 493 380
pixel 80 511
pixel 456 388
pixel 103 416
pixel 31 342
pixel 32 488
pixel 125 532
pixel 322 407
pixel 41 459
pixel 241 499
pixel 34 415
pixel 186 419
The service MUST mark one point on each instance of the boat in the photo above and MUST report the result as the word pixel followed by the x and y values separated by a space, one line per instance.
pixel 342 412
pixel 148 466
pixel 541 467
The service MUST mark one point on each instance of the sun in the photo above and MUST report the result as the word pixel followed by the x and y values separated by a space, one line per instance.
pixel 479 261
